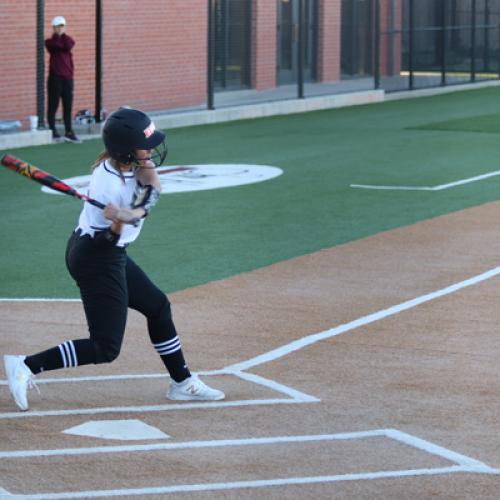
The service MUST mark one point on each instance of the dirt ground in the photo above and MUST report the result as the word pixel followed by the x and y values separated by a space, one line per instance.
pixel 400 404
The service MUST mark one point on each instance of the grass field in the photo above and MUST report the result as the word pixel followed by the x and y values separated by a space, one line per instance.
pixel 198 237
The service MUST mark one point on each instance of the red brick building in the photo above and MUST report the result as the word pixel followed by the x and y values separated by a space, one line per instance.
pixel 154 52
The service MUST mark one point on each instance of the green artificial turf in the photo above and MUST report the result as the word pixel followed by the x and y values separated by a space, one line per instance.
pixel 197 237
pixel 489 123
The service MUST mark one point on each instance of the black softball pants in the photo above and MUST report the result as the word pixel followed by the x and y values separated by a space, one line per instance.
pixel 59 89
pixel 110 282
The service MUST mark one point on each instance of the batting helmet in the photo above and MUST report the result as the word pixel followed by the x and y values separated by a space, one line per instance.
pixel 129 129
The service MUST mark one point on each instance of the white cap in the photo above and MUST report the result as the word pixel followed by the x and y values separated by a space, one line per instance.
pixel 58 21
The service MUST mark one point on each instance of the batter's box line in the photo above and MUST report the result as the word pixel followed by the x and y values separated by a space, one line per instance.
pixel 294 397
pixel 439 187
pixel 461 463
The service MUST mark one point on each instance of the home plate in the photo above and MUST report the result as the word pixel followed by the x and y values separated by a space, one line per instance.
pixel 126 430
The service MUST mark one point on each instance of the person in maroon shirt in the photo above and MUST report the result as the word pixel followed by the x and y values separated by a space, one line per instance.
pixel 60 81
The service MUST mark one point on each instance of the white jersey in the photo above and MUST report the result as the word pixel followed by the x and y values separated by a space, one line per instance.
pixel 108 186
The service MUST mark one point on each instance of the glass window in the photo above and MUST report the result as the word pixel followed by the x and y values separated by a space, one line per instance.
pixel 232 44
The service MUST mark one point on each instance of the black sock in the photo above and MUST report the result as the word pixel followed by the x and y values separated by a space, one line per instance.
pixel 71 353
pixel 176 365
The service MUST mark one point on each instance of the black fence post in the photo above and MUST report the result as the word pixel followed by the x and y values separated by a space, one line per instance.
pixel 300 61
pixel 376 50
pixel 473 43
pixel 40 63
pixel 410 44
pixel 211 54
pixel 98 61
pixel 443 43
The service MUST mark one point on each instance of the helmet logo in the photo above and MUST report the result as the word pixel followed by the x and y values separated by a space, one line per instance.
pixel 149 130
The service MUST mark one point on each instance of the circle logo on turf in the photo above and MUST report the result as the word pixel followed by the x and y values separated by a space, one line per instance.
pixel 185 178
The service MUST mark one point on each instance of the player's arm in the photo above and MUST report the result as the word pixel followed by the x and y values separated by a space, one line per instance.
pixel 121 215
pixel 147 175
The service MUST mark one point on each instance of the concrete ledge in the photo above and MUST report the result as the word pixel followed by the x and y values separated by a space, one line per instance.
pixel 426 92
pixel 22 139
pixel 245 112
pixel 170 120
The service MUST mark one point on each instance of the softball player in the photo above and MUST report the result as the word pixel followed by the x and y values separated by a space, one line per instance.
pixel 110 282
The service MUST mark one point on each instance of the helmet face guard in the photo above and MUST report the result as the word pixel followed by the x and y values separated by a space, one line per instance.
pixel 159 153
pixel 128 130
pixel 157 156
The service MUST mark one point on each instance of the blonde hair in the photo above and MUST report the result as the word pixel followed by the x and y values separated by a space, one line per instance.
pixel 103 156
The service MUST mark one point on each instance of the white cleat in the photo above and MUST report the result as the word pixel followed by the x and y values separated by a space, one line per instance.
pixel 193 389
pixel 20 379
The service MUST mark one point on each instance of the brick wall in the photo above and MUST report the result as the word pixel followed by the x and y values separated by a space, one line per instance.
pixel 329 24
pixel 263 63
pixel 154 52
pixel 17 64
pixel 390 45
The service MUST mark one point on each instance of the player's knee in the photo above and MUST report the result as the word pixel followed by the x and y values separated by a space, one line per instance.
pixel 106 352
pixel 165 311
pixel 161 312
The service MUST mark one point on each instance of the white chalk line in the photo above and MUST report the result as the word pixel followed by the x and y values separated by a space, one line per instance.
pixel 439 187
pixel 262 483
pixel 109 378
pixel 238 368
pixel 150 408
pixel 469 465
pixel 462 463
pixel 363 321
pixel 296 397
pixel 36 299
pixel 215 443
pixel 256 379
pixel 394 434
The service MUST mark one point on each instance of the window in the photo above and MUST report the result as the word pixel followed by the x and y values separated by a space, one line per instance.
pixel 232 44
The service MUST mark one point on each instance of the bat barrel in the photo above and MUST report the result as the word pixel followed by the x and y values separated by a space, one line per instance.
pixel 42 177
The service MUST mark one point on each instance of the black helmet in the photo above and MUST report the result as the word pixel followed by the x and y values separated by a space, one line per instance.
pixel 129 129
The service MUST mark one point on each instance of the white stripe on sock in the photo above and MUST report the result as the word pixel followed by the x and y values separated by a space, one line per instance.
pixel 73 353
pixel 63 356
pixel 167 343
pixel 68 354
pixel 169 349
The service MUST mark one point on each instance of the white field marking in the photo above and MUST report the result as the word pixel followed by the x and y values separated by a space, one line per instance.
pixel 365 320
pixel 216 443
pixel 107 378
pixel 263 483
pixel 433 449
pixel 275 386
pixel 394 434
pixel 463 464
pixel 151 408
pixel 95 378
pixel 27 299
pixel 296 396
pixel 439 187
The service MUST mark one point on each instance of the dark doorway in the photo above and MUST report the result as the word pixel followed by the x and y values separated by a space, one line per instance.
pixel 232 44
pixel 288 40
pixel 357 38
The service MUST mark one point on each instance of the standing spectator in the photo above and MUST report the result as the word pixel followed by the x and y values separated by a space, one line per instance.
pixel 60 82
